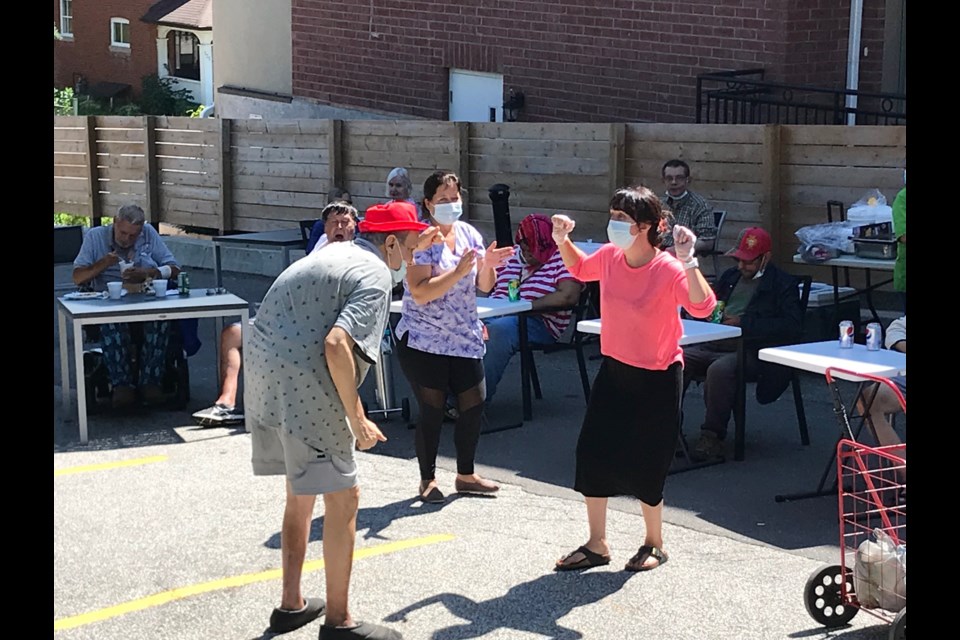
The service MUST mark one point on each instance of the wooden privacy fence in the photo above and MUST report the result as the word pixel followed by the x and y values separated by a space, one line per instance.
pixel 252 175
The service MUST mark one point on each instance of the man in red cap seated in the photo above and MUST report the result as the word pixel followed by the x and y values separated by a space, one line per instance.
pixel 764 301
pixel 316 334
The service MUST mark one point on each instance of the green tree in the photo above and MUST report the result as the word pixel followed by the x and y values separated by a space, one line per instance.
pixel 159 98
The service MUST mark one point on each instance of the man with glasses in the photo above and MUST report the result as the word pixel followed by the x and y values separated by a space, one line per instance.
pixel 764 301
pixel 689 209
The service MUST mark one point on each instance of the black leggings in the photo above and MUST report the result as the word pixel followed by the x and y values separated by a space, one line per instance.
pixel 431 376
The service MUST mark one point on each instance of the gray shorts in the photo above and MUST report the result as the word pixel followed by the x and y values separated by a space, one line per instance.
pixel 311 472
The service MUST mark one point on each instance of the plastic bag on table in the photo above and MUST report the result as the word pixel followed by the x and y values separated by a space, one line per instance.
pixel 870 209
pixel 880 574
pixel 819 242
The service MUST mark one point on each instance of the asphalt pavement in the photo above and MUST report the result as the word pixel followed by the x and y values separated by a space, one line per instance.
pixel 162 531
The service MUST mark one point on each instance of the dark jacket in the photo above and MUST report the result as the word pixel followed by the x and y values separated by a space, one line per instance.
pixel 773 317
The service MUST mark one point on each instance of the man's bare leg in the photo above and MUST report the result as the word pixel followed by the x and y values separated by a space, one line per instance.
pixel 293 546
pixel 339 536
pixel 231 341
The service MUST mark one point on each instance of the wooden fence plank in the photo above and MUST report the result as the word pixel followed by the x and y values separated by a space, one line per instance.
pixel 75 208
pixel 281 127
pixel 183 123
pixel 861 135
pixel 117 187
pixel 70 146
pixel 111 202
pixel 694 152
pixel 169 203
pixel 770 194
pixel 823 155
pixel 190 193
pixel 203 165
pixel 420 144
pixel 883 178
pixel 279 198
pixel 539 148
pixel 408 128
pixel 225 162
pixel 71 159
pixel 121 135
pixel 188 179
pixel 280 170
pixel 91 154
pixel 190 218
pixel 186 137
pixel 279 141
pixel 150 172
pixel 539 131
pixel 70 171
pixel 76 133
pixel 69 122
pixel 113 173
pixel 572 166
pixel 335 154
pixel 616 155
pixel 168 150
pixel 406 159
pixel 305 156
pixel 118 122
pixel 303 185
pixel 717 133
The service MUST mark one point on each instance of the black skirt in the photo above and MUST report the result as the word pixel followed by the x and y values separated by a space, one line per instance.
pixel 629 434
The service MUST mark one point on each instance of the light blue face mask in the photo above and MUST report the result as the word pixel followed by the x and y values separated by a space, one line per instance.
pixel 398 275
pixel 448 212
pixel 619 233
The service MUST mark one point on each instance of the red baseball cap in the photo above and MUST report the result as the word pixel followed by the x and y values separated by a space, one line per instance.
pixel 388 217
pixel 753 243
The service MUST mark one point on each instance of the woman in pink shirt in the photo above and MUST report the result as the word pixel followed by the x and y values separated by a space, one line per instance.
pixel 629 434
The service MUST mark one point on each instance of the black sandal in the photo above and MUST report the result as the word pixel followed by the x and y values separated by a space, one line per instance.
pixel 636 562
pixel 590 559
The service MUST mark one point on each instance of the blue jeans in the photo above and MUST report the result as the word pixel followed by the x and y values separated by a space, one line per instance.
pixel 505 341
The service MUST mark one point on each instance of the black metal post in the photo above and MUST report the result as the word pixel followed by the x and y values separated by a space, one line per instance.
pixel 500 197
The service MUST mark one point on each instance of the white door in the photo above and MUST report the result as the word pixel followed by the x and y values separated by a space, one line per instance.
pixel 475 96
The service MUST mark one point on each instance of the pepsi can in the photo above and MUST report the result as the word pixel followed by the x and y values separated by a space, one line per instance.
pixel 874 333
pixel 846 335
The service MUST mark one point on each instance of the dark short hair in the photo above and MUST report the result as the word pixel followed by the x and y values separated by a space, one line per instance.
pixel 643 205
pixel 437 179
pixel 671 164
pixel 336 195
pixel 339 208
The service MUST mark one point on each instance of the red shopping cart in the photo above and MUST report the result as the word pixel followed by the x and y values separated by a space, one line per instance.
pixel 871 493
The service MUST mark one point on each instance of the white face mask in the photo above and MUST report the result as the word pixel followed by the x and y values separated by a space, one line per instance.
pixel 619 233
pixel 759 273
pixel 448 212
pixel 398 275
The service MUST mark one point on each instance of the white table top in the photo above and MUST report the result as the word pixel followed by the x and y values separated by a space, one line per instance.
pixel 276 238
pixel 851 261
pixel 138 304
pixel 589 247
pixel 486 307
pixel 694 331
pixel 817 356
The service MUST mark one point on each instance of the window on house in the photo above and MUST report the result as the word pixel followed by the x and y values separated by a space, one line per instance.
pixel 66 17
pixel 185 53
pixel 120 32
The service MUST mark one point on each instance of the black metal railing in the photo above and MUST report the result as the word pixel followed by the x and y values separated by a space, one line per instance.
pixel 743 97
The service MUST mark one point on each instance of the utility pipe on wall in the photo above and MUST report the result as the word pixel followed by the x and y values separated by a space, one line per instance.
pixel 853 56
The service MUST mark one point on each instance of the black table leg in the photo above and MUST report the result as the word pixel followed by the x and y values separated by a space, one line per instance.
pixel 527 408
pixel 740 407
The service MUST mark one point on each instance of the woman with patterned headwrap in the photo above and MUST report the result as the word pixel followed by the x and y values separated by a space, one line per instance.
pixel 538 268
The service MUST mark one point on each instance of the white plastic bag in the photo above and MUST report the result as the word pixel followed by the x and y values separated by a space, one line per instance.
pixel 880 575
pixel 820 242
pixel 870 209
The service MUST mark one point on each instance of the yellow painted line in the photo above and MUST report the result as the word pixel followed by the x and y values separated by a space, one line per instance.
pixel 164 597
pixel 108 465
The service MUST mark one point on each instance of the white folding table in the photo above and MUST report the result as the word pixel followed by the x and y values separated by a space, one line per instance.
pixel 695 332
pixel 854 262
pixel 816 357
pixel 133 308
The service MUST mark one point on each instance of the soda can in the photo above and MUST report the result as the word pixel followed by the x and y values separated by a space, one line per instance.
pixel 717 316
pixel 846 335
pixel 513 290
pixel 874 335
pixel 183 283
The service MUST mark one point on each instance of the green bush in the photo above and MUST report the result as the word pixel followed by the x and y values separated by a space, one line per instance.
pixel 71 219
pixel 159 98
pixel 63 101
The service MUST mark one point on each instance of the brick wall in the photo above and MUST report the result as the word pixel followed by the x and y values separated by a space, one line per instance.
pixel 89 53
pixel 576 60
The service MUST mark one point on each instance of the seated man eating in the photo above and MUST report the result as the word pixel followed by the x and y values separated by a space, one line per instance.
pixel 543 279
pixel 129 250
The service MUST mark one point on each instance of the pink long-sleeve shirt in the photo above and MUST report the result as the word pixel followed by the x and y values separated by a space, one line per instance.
pixel 641 325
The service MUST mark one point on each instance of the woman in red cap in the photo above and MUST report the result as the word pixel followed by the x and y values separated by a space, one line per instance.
pixel 440 337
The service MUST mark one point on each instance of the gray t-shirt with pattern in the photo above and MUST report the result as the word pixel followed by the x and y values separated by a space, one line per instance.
pixel 288 385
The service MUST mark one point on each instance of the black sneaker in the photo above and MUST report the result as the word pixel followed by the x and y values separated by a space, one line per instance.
pixel 362 631
pixel 219 415
pixel 283 621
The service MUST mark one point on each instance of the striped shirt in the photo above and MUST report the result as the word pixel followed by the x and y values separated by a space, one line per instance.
pixel 534 285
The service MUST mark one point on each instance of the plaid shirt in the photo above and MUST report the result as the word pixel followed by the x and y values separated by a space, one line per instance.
pixel 692 212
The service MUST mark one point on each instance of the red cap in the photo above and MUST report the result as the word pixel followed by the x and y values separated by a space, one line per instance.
pixel 753 243
pixel 388 217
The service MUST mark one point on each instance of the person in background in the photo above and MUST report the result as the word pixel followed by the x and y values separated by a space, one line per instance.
pixel 319 234
pixel 307 354
pixel 764 301
pixel 440 337
pixel 129 250
pixel 900 233
pixel 886 401
pixel 340 222
pixel 689 208
pixel 537 266
pixel 630 431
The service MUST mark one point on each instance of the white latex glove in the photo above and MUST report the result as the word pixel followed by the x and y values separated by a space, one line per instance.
pixel 683 241
pixel 562 226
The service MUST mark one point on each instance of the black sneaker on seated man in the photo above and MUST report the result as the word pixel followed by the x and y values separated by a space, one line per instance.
pixel 708 446
pixel 219 415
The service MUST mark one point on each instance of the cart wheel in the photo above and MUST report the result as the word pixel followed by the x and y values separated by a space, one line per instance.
pixel 824 599
pixel 405 409
pixel 898 630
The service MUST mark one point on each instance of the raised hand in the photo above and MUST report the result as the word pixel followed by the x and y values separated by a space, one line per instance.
pixel 562 227
pixel 683 242
pixel 429 236
pixel 466 263
pixel 494 257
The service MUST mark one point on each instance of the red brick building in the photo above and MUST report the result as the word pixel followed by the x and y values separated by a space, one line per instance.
pixel 580 60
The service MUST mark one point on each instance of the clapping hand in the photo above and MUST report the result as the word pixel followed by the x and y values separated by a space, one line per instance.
pixel 368 433
pixel 495 257
pixel 683 242
pixel 466 263
pixel 428 237
pixel 562 226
